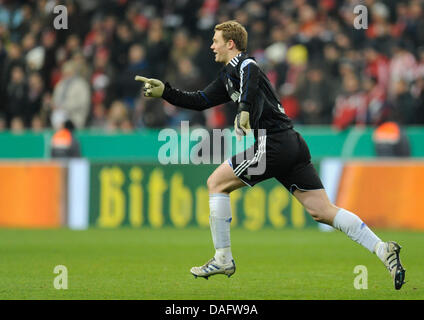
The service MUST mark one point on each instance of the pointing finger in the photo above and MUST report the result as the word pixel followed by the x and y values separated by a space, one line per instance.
pixel 142 79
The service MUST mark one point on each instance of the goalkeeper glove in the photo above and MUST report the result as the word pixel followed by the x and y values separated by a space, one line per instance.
pixel 241 122
pixel 152 87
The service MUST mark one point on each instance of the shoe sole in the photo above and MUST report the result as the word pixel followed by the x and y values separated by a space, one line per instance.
pixel 399 278
pixel 214 274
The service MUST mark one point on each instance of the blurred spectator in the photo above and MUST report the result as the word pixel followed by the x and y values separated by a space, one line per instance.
pixel 17 125
pixel 37 124
pixel 11 16
pixel 315 95
pixel 157 49
pixel 3 123
pixel 275 54
pixel 3 59
pixel 121 44
pixel 377 65
pixel 419 71
pixel 415 26
pixel 417 88
pixel 380 30
pixel 331 61
pixel 92 36
pixel 128 89
pixel 46 109
pixel 257 35
pixel 35 58
pixel 83 68
pixel 118 118
pixel 402 66
pixel 71 97
pixel 28 43
pixel 109 27
pixel 35 95
pixel 153 114
pixel 48 42
pixel 63 143
pixel 189 78
pixel 290 101
pixel 182 47
pixel 297 58
pixel 404 104
pixel 14 58
pixel 26 16
pixel 101 78
pixel 72 45
pixel 204 58
pixel 349 103
pixel 219 117
pixel 419 94
pixel 98 119
pixel 377 109
pixel 17 94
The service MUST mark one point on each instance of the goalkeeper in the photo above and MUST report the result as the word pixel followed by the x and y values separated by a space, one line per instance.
pixel 281 152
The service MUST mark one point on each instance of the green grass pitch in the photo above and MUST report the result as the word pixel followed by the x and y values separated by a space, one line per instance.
pixel 146 264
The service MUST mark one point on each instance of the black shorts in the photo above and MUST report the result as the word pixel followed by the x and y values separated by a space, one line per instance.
pixel 284 156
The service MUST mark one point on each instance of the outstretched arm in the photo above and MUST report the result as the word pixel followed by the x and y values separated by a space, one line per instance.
pixel 214 94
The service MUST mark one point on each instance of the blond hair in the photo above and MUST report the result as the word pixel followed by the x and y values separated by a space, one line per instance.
pixel 232 30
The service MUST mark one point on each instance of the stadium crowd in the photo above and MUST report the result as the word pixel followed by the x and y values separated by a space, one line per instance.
pixel 325 70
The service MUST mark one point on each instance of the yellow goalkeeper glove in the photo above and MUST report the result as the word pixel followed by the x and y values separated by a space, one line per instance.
pixel 242 124
pixel 152 87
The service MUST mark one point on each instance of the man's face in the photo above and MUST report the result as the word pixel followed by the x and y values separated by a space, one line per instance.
pixel 220 47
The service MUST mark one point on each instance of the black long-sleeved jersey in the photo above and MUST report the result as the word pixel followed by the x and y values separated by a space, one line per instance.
pixel 243 82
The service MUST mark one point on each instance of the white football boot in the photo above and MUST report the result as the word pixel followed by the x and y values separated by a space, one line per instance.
pixel 212 267
pixel 392 262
